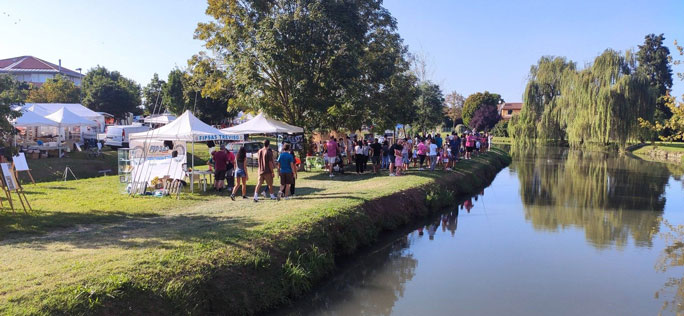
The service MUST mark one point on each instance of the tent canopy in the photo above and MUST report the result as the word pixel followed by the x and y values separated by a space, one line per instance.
pixel 186 127
pixel 160 119
pixel 261 124
pixel 31 119
pixel 45 109
pixel 64 117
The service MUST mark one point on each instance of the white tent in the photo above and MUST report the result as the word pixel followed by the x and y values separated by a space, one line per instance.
pixel 160 119
pixel 187 128
pixel 31 119
pixel 261 124
pixel 45 109
pixel 63 117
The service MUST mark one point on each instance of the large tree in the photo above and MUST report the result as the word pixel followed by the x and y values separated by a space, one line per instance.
pixel 109 91
pixel 173 94
pixel 654 62
pixel 485 118
pixel 311 63
pixel 475 101
pixel 59 89
pixel 428 107
pixel 453 108
pixel 12 93
pixel 152 95
pixel 207 90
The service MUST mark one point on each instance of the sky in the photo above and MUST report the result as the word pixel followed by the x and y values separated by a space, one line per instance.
pixel 470 46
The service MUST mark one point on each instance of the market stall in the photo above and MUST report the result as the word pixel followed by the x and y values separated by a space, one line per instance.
pixel 161 152
pixel 65 119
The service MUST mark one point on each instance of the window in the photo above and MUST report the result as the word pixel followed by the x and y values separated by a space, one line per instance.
pixel 510 112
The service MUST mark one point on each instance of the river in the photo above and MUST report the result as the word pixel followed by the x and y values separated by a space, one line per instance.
pixel 558 232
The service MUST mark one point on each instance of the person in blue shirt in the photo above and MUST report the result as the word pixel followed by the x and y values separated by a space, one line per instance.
pixel 287 171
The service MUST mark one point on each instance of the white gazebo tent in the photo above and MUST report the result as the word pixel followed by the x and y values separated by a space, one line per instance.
pixel 160 119
pixel 31 119
pixel 65 118
pixel 261 124
pixel 186 128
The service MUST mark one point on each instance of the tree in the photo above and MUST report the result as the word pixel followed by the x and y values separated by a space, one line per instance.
pixel 207 90
pixel 173 92
pixel 109 91
pixel 152 95
pixel 674 124
pixel 475 101
pixel 59 89
pixel 310 63
pixel 453 107
pixel 654 63
pixel 485 118
pixel 12 92
pixel 428 106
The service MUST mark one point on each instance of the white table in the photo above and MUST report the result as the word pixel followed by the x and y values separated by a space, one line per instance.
pixel 203 174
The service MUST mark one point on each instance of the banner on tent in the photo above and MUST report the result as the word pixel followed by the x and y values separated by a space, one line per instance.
pixel 157 158
pixel 297 141
pixel 206 138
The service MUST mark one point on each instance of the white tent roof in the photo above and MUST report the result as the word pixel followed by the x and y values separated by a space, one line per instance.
pixel 261 124
pixel 45 109
pixel 160 119
pixel 186 127
pixel 64 117
pixel 29 119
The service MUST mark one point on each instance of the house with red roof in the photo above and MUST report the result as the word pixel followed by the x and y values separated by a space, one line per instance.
pixel 36 71
pixel 508 109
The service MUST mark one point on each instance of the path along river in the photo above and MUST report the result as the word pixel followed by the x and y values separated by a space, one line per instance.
pixel 558 232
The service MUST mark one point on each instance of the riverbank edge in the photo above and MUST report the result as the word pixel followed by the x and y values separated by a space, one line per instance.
pixel 282 267
pixel 657 155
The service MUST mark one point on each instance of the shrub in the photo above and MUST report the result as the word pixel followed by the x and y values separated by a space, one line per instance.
pixel 500 129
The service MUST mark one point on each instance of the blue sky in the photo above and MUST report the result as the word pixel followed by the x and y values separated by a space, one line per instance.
pixel 470 45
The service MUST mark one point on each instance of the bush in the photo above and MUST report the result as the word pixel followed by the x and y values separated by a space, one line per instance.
pixel 500 129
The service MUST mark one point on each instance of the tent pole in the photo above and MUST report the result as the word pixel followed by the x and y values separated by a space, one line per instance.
pixel 192 173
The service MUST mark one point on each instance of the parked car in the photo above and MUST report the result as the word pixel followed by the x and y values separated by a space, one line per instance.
pixel 116 136
pixel 252 149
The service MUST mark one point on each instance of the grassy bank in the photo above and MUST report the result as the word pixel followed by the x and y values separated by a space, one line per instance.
pixel 660 152
pixel 203 254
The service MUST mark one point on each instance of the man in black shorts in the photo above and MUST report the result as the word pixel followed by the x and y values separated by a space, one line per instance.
pixel 220 160
pixel 376 148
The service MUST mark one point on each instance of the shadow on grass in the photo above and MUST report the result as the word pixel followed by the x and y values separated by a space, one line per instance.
pixel 145 232
pixel 38 223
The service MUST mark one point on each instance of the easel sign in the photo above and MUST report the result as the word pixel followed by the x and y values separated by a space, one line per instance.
pixel 9 184
pixel 20 164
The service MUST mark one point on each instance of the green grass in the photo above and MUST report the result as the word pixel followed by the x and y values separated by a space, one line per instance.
pixel 87 248
pixel 51 169
pixel 501 140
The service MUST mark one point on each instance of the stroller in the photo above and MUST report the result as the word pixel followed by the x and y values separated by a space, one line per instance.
pixel 338 166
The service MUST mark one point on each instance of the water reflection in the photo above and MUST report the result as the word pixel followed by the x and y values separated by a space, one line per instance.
pixel 611 197
pixel 672 257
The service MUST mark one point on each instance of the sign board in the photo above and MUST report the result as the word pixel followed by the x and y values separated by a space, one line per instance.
pixel 20 162
pixel 153 158
pixel 206 138
pixel 296 141
pixel 8 177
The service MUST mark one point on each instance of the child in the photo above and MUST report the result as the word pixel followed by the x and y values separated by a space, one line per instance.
pixel 445 158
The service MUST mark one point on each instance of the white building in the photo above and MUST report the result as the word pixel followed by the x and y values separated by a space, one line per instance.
pixel 36 71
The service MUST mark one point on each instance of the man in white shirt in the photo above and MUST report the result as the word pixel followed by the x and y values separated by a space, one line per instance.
pixel 433 155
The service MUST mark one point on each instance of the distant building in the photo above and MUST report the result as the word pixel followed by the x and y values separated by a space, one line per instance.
pixel 507 110
pixel 36 71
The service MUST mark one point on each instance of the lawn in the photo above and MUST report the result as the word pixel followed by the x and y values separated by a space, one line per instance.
pixel 85 240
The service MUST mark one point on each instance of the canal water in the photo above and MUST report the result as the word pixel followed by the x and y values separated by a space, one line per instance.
pixel 558 232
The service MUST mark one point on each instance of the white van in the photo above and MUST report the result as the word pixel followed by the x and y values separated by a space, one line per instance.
pixel 116 136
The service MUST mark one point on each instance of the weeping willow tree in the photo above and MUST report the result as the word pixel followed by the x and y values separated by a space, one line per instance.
pixel 600 104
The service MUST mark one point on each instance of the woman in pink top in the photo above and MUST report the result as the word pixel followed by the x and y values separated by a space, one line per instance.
pixel 331 155
pixel 422 151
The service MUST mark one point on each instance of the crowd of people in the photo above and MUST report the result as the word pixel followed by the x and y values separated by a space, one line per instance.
pixel 431 152
pixel 422 151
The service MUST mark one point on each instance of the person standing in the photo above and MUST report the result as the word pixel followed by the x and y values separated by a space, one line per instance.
pixel 432 147
pixel 438 140
pixel 385 155
pixel 230 170
pixel 266 167
pixel 376 150
pixel 241 173
pixel 358 157
pixel 422 151
pixel 220 160
pixel 392 158
pixel 366 155
pixel 287 170
pixel 454 145
pixel 349 144
pixel 331 154
pixel 398 160
pixel 297 163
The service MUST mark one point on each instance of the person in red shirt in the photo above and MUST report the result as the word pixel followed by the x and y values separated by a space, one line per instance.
pixel 220 162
